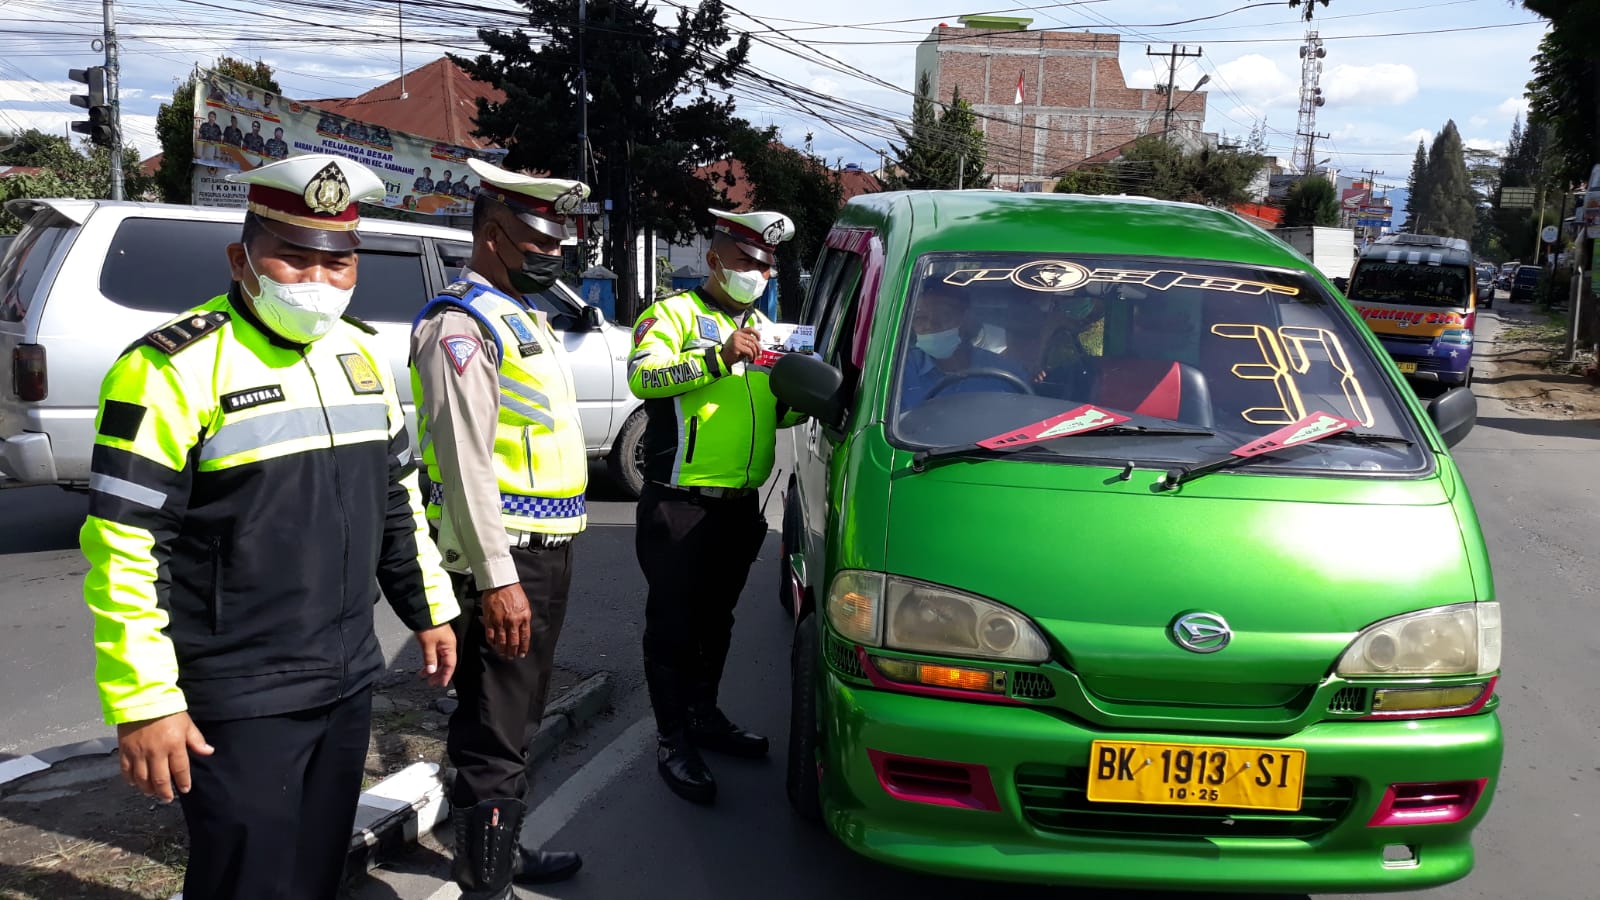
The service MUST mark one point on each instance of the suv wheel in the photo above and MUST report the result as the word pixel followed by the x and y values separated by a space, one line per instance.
pixel 803 779
pixel 626 462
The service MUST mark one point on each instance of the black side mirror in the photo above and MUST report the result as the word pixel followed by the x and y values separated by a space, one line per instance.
pixel 809 385
pixel 593 319
pixel 1454 413
pixel 1343 284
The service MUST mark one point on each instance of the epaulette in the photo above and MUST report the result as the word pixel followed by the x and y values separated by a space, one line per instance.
pixel 458 289
pixel 360 324
pixel 178 335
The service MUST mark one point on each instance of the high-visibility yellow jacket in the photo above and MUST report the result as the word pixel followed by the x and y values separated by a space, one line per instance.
pixel 708 426
pixel 248 498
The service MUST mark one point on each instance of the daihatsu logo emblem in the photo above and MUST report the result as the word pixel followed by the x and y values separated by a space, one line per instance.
pixel 1201 632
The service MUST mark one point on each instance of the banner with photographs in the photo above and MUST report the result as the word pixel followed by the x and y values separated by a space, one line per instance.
pixel 239 127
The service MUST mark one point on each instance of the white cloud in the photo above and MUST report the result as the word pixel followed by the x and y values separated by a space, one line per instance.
pixel 161 98
pixel 1258 82
pixel 1382 83
pixel 1421 134
pixel 1484 144
pixel 1141 78
pixel 824 85
pixel 137 131
pixel 14 91
pixel 1478 121
pixel 1514 106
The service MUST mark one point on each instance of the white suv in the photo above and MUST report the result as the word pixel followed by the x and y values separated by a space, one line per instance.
pixel 86 278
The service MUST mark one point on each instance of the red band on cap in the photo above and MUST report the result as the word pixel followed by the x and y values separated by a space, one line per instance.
pixel 288 206
pixel 744 234
pixel 544 209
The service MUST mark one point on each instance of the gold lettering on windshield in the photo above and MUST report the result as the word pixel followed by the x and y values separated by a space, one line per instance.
pixel 1289 358
pixel 1274 367
pixel 1062 275
pixel 1301 342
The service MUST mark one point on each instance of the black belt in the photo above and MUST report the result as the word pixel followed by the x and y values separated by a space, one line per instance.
pixel 713 493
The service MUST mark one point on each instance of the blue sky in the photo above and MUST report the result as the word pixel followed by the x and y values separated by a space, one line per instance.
pixel 1383 92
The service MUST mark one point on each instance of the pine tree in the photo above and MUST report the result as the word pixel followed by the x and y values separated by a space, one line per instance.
pixel 1448 207
pixel 921 160
pixel 1416 182
pixel 175 125
pixel 958 128
pixel 1312 201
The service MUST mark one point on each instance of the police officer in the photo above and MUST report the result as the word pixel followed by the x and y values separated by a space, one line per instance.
pixel 708 444
pixel 251 489
pixel 505 452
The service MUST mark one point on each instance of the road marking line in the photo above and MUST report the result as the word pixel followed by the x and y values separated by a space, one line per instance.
pixel 561 807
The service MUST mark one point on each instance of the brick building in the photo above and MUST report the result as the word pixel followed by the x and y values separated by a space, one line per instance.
pixel 1076 102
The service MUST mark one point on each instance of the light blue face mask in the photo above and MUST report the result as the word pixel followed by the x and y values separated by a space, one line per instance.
pixel 939 344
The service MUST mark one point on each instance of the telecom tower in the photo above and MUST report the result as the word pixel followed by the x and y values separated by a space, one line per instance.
pixel 1311 56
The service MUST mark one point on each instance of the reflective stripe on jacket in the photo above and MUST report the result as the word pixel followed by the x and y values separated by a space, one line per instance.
pixel 248 499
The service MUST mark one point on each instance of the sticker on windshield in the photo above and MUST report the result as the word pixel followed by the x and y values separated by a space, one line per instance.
pixel 1294 359
pixel 1314 427
pixel 1063 275
pixel 1073 421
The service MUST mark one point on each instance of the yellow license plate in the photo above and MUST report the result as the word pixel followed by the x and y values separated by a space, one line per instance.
pixel 1407 368
pixel 1196 775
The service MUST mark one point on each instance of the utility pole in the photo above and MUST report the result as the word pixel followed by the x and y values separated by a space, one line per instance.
pixel 401 10
pixel 583 98
pixel 1310 152
pixel 1173 54
pixel 110 13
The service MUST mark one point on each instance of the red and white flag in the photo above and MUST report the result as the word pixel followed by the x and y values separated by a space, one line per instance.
pixel 1019 89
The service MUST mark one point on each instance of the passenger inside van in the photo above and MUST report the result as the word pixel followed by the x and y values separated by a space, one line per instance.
pixel 943 351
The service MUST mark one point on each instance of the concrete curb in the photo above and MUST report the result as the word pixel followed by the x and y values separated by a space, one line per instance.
pixel 18 766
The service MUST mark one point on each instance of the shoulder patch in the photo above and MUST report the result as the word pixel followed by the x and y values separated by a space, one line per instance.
pixel 642 329
pixel 708 328
pixel 180 334
pixel 461 348
pixel 360 325
pixel 457 289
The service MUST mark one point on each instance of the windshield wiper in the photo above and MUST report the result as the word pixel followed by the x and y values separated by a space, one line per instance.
pixel 1315 427
pixel 1082 420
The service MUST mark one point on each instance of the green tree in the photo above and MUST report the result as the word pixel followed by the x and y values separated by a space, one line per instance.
pixel 785 179
pixel 657 112
pixel 1153 167
pixel 943 149
pixel 1447 206
pixel 66 172
pixel 175 125
pixel 1563 97
pixel 1416 185
pixel 1311 201
pixel 1086 180
pixel 1310 5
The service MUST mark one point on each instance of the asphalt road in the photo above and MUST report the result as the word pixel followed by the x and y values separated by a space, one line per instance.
pixel 1533 483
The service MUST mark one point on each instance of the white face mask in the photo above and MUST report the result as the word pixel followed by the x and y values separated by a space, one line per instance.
pixel 939 344
pixel 301 312
pixel 744 288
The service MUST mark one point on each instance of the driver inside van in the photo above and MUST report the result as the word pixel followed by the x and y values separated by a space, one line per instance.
pixel 944 360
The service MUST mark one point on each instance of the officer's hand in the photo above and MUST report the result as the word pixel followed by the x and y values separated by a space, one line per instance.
pixel 155 754
pixel 507 621
pixel 438 654
pixel 744 344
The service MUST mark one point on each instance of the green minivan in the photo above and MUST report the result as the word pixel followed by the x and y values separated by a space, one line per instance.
pixel 1120 555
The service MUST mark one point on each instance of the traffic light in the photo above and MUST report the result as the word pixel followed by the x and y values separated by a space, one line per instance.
pixel 100 128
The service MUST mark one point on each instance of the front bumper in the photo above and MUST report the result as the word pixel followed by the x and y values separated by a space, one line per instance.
pixel 26 459
pixel 1022 746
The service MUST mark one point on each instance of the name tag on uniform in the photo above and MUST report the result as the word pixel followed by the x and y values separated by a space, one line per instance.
pixel 708 328
pixel 528 345
pixel 252 397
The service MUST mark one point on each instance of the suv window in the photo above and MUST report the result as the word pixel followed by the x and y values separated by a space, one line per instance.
pixel 22 266
pixel 170 265
pixel 167 265
pixel 390 287
pixel 453 257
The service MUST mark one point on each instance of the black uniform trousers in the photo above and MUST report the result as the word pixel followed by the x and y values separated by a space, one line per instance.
pixel 269 813
pixel 502 700
pixel 696 553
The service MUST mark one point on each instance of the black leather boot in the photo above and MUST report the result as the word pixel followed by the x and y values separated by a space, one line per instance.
pixel 683 770
pixel 710 730
pixel 487 852
pixel 546 866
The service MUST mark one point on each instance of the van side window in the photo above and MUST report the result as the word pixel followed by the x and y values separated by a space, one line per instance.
pixel 390 287
pixel 453 257
pixel 822 282
pixel 839 317
pixel 167 265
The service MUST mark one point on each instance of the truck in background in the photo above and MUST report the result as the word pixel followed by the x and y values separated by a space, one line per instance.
pixel 1331 250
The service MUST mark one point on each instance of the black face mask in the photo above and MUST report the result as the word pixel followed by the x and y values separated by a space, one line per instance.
pixel 538 272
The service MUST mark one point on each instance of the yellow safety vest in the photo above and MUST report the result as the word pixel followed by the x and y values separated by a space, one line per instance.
pixel 539 457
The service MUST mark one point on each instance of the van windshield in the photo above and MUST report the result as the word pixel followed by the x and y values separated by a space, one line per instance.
pixel 1412 284
pixel 1230 353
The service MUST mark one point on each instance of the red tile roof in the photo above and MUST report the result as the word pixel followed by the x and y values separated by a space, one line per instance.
pixel 9 171
pixel 441 103
pixel 150 165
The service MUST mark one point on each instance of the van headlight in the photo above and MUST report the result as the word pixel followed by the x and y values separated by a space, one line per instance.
pixel 1461 639
pixel 879 610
